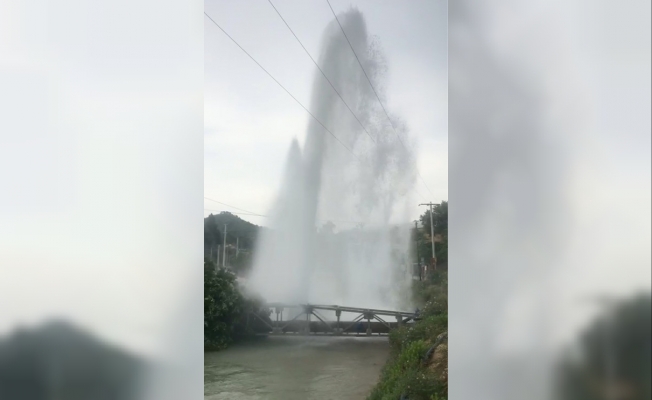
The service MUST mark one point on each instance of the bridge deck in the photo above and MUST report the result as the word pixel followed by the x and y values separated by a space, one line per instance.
pixel 374 321
pixel 343 309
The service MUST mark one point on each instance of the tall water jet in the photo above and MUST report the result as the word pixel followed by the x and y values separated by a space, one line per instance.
pixel 360 180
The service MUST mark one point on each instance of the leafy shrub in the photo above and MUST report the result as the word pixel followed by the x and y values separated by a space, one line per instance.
pixel 439 278
pixel 405 375
pixel 434 289
pixel 437 305
pixel 425 330
pixel 223 304
pixel 408 374
pixel 228 316
pixel 247 324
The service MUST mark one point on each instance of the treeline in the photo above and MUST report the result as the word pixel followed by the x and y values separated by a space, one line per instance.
pixel 228 314
pixel 241 237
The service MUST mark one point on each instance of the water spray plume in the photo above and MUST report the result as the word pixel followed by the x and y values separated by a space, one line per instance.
pixel 300 262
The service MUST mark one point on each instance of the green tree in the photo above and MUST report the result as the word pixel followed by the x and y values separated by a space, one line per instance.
pixel 439 219
pixel 223 305
pixel 440 227
pixel 212 236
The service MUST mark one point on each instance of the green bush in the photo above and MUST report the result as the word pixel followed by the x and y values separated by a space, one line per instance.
pixel 406 375
pixel 228 316
pixel 432 300
pixel 439 278
pixel 247 325
pixel 223 304
pixel 437 305
pixel 436 287
pixel 407 372
pixel 425 330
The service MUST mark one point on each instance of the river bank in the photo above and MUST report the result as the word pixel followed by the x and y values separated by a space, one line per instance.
pixel 296 368
pixel 417 368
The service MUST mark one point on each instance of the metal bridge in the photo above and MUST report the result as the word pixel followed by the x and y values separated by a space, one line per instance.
pixel 376 320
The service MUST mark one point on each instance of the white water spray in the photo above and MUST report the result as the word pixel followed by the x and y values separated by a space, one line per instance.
pixel 361 258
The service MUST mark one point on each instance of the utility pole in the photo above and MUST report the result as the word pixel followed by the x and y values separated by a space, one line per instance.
pixel 217 259
pixel 416 239
pixel 224 254
pixel 432 230
pixel 237 246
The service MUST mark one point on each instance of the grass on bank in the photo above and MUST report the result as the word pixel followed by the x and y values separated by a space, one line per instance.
pixel 418 365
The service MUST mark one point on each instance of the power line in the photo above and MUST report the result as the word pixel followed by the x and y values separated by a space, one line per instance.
pixel 322 72
pixel 298 102
pixel 283 87
pixel 373 89
pixel 331 84
pixel 241 209
pixel 236 213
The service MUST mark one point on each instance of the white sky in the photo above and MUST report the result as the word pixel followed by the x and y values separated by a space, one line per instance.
pixel 250 121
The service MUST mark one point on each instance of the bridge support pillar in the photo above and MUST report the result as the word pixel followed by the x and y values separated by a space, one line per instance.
pixel 308 311
pixel 277 330
pixel 337 331
pixel 399 320
pixel 368 316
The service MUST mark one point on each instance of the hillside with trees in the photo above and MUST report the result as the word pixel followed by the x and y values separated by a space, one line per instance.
pixel 241 238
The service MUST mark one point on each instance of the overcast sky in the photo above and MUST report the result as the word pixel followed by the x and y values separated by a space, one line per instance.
pixel 250 121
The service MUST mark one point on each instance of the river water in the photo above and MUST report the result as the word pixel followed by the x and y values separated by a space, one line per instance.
pixel 296 368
